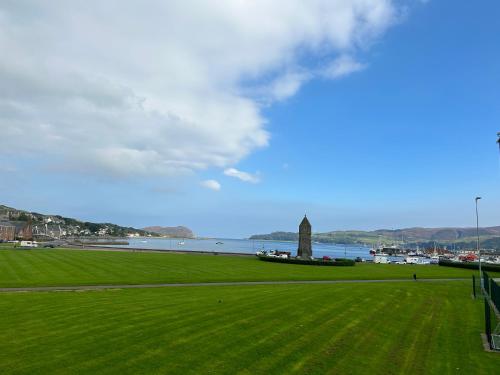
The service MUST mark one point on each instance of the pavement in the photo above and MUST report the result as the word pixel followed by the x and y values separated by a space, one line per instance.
pixel 234 283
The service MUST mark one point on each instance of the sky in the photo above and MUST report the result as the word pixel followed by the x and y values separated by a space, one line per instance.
pixel 238 117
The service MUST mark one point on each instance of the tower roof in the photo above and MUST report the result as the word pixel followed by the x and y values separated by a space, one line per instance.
pixel 305 223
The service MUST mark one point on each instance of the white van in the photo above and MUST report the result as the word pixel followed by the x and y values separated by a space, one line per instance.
pixel 28 244
pixel 411 260
pixel 383 259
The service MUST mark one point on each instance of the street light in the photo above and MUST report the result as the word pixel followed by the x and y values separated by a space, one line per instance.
pixel 478 250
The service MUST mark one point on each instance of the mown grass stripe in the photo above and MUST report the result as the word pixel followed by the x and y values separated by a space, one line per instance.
pixel 80 267
pixel 254 330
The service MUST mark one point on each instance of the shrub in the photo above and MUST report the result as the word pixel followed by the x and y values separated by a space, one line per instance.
pixel 316 262
pixel 470 265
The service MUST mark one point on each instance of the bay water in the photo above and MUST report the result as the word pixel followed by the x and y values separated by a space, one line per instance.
pixel 244 246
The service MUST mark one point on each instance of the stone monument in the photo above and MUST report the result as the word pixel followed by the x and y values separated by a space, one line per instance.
pixel 305 249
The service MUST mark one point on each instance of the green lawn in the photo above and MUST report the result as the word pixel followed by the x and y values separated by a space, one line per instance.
pixel 81 267
pixel 397 328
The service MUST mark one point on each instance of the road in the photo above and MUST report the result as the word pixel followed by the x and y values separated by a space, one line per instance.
pixel 234 283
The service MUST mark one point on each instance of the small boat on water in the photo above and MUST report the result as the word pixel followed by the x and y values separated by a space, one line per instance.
pixel 219 243
pixel 180 243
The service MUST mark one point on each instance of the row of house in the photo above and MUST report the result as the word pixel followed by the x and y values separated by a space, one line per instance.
pixel 7 232
pixel 14 230
pixel 10 231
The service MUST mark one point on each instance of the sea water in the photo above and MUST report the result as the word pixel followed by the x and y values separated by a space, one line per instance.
pixel 245 246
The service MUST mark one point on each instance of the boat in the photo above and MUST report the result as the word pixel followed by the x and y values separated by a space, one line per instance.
pixel 180 243
pixel 219 243
pixel 386 250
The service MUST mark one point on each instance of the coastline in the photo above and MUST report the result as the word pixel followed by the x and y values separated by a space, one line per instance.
pixel 143 250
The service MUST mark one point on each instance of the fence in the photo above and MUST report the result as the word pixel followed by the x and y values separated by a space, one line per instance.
pixel 487 322
pixel 491 293
pixel 476 287
pixel 495 294
pixel 486 283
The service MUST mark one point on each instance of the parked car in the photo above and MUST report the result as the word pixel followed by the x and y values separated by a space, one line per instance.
pixel 28 244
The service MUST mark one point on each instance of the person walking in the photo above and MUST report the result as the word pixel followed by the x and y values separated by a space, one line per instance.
pixel 415 276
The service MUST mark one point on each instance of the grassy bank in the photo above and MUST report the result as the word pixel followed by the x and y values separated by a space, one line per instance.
pixel 404 328
pixel 82 267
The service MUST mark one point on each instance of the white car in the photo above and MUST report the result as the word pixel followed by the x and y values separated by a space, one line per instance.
pixel 28 244
pixel 411 260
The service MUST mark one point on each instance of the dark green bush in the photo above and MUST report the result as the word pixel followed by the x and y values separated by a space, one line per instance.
pixel 470 265
pixel 316 262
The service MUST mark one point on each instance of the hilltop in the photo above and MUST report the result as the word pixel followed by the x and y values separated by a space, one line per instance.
pixel 459 237
pixel 176 232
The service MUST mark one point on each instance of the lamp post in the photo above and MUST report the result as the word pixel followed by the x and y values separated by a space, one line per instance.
pixel 478 249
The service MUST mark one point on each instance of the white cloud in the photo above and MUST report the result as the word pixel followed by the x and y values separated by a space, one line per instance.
pixel 124 88
pixel 211 184
pixel 287 85
pixel 343 66
pixel 243 176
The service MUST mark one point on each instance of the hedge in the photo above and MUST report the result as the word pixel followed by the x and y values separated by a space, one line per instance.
pixel 470 265
pixel 316 262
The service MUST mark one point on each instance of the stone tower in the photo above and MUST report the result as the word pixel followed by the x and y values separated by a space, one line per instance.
pixel 305 249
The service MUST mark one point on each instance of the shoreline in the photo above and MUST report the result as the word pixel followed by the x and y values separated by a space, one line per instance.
pixel 143 250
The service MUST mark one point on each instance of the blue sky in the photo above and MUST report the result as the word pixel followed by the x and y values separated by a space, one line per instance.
pixel 406 138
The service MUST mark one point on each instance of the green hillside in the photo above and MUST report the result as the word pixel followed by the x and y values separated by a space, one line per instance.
pixel 460 238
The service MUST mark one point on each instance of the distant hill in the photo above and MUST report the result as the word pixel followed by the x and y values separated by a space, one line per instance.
pixel 177 232
pixel 276 236
pixel 63 227
pixel 439 234
pixel 459 237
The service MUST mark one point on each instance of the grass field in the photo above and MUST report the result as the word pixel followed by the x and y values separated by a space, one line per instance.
pixel 401 328
pixel 81 267
pixel 352 328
